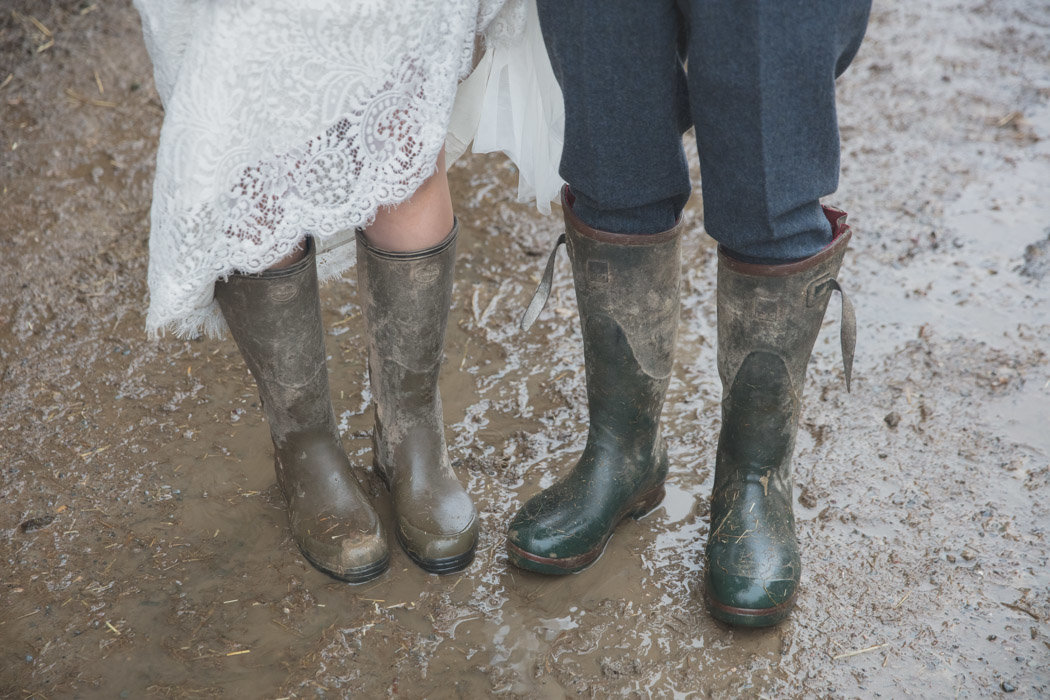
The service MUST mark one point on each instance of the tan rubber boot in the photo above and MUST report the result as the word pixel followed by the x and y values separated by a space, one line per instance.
pixel 275 318
pixel 406 298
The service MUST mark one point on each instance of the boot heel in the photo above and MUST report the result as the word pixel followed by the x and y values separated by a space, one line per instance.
pixel 648 502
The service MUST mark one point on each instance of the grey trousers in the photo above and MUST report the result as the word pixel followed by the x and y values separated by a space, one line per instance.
pixel 756 78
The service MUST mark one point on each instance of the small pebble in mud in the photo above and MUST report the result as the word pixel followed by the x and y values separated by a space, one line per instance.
pixel 1008 687
pixel 968 555
pixel 892 419
pixel 992 637
pixel 950 558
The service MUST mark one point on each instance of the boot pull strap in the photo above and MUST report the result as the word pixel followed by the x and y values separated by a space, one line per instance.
pixel 847 333
pixel 543 291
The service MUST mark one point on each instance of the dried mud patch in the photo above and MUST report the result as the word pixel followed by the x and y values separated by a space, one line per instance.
pixel 1037 259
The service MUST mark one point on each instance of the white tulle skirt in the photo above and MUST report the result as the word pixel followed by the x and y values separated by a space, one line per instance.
pixel 291 119
pixel 511 103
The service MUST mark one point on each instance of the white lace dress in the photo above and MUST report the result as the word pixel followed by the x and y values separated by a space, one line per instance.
pixel 284 119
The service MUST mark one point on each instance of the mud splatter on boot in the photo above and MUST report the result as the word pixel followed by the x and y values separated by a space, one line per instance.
pixel 768 320
pixel 275 318
pixel 627 289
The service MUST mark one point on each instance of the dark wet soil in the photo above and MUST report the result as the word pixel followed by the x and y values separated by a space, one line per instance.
pixel 144 545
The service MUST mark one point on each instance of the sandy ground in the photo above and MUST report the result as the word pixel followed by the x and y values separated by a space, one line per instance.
pixel 144 545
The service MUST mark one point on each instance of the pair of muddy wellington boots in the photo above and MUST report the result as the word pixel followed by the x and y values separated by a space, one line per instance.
pixel 275 319
pixel 627 290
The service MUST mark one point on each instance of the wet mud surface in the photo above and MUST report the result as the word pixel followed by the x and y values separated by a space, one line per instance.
pixel 144 545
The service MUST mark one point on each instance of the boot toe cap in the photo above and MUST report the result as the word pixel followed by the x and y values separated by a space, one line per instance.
pixel 346 553
pixel 748 601
pixel 541 541
pixel 441 542
pixel 534 536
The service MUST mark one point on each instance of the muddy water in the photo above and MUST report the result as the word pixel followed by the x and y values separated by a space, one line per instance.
pixel 144 544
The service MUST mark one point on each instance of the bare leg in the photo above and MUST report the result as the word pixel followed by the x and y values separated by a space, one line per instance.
pixel 422 221
pixel 295 256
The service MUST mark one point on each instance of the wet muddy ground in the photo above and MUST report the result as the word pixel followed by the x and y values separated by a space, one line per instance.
pixel 144 544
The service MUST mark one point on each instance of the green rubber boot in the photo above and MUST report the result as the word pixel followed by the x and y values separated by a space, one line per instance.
pixel 275 318
pixel 768 320
pixel 406 299
pixel 627 290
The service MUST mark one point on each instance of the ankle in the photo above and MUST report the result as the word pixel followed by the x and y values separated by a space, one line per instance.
pixel 297 254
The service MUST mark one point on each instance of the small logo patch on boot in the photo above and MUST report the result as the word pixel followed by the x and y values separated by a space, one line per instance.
pixel 281 293
pixel 818 290
pixel 598 271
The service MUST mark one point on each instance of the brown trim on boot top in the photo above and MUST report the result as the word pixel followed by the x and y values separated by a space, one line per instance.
pixel 840 237
pixel 571 219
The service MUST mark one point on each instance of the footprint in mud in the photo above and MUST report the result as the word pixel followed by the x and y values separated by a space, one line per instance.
pixel 36 523
pixel 1037 259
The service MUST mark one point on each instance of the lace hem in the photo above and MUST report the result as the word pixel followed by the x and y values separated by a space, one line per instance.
pixel 209 321
pixel 240 180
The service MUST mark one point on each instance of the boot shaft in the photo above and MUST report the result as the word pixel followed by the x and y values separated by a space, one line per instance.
pixel 627 291
pixel 275 319
pixel 768 320
pixel 406 299
pixel 776 309
pixel 633 279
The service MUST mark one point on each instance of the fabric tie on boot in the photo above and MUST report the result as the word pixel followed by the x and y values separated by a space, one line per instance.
pixel 543 290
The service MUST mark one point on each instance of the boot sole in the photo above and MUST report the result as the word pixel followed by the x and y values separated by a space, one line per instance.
pixel 361 574
pixel 442 565
pixel 748 617
pixel 528 561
